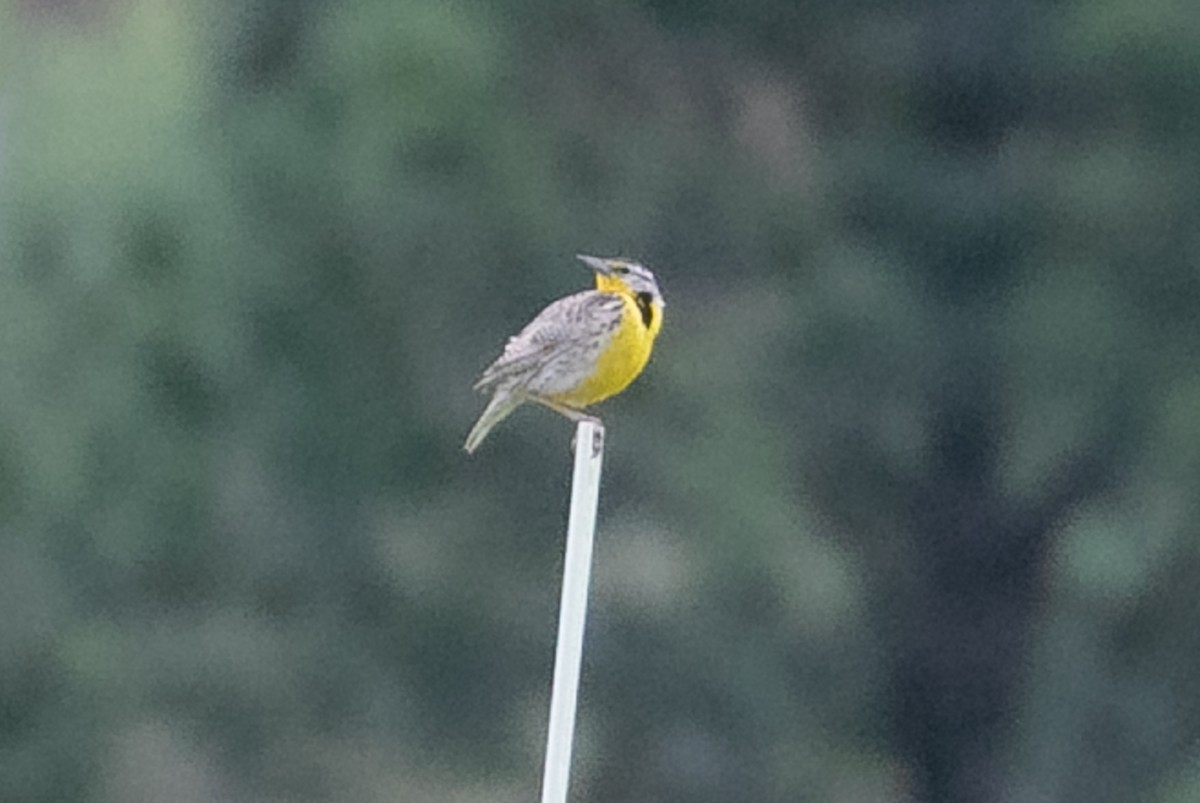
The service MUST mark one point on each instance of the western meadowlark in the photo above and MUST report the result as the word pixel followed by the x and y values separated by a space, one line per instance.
pixel 579 350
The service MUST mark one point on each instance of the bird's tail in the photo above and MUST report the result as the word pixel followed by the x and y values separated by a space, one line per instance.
pixel 503 403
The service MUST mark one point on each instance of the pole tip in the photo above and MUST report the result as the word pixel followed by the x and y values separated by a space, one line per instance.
pixel 589 430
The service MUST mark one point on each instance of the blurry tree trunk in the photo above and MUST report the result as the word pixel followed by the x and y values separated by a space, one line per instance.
pixel 958 630
pixel 959 596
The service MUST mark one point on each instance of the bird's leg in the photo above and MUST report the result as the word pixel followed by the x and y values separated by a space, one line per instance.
pixel 577 416
pixel 572 413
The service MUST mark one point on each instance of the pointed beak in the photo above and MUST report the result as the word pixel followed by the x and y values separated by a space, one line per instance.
pixel 595 263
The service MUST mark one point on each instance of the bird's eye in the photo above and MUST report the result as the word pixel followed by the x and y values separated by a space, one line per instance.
pixel 620 269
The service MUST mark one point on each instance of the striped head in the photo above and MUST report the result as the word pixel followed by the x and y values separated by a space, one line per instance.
pixel 618 275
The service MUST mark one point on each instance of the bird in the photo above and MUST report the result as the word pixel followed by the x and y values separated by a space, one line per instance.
pixel 581 349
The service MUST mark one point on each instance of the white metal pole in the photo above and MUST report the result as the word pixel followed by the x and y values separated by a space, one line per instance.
pixel 572 613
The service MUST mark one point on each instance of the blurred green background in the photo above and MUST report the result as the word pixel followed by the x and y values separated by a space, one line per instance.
pixel 903 511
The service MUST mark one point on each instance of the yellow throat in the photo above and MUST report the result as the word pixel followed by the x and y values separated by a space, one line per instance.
pixel 629 350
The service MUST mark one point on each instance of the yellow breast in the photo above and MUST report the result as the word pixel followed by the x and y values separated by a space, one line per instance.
pixel 625 357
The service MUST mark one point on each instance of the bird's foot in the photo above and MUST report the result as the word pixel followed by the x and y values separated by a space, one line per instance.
pixel 597 434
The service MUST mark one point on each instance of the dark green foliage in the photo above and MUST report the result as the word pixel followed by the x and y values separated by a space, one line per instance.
pixel 903 510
